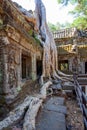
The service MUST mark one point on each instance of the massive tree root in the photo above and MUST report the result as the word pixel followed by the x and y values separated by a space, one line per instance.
pixel 27 111
pixel 50 60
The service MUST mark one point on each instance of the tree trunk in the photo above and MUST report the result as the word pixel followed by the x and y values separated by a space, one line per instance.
pixel 50 63
pixel 50 56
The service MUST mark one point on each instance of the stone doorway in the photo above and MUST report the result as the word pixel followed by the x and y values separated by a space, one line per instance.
pixel 85 67
pixel 39 67
pixel 23 67
pixel 63 65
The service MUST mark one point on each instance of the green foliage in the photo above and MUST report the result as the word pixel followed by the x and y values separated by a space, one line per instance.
pixel 81 8
pixel 80 23
pixel 58 26
pixel 30 32
pixel 66 25
pixel 54 27
pixel 1 22
pixel 18 88
pixel 80 12
pixel 37 39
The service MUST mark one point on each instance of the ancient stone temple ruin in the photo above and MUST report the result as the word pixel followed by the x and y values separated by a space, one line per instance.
pixel 21 64
pixel 20 51
pixel 72 50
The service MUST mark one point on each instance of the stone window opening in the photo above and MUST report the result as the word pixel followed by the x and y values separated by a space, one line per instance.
pixel 26 67
pixel 63 65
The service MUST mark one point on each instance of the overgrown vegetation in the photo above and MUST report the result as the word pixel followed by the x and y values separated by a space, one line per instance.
pixel 37 39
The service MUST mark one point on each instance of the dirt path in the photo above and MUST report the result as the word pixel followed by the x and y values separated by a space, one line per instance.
pixel 74 115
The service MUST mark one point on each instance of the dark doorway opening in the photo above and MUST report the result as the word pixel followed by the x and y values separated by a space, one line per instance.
pixel 85 67
pixel 63 65
pixel 39 68
pixel 26 66
pixel 23 67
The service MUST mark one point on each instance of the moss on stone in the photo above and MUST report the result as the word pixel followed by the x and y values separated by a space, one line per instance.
pixel 30 32
pixel 36 39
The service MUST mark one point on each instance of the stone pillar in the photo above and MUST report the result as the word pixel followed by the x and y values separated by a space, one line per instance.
pixel 82 67
pixel 6 87
pixel 6 75
pixel 86 90
pixel 33 73
pixel 18 60
pixel 70 64
pixel 79 65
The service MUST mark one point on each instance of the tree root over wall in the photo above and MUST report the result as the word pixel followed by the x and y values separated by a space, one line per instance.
pixel 27 110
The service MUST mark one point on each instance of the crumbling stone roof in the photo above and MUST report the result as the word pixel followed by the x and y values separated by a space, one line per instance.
pixel 69 33
pixel 24 11
pixel 15 24
pixel 66 39
pixel 11 14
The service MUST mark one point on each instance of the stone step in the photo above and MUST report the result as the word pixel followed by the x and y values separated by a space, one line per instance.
pixel 52 116
pixel 51 120
pixel 60 109
pixel 68 86
pixel 57 87
pixel 56 101
pixel 56 105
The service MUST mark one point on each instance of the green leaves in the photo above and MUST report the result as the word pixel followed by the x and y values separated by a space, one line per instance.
pixel 80 22
pixel 80 12
pixel 58 26
pixel 54 27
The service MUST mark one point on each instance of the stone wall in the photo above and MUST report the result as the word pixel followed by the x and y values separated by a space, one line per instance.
pixel 73 49
pixel 19 51
pixel 11 64
pixel 17 45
